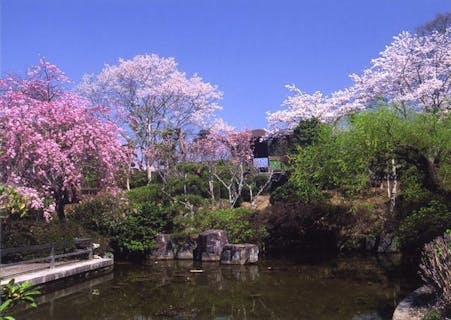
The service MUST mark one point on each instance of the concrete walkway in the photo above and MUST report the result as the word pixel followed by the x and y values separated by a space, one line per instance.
pixel 59 271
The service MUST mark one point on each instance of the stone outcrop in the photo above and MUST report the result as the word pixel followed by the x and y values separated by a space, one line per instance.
pixel 210 244
pixel 415 305
pixel 388 243
pixel 239 254
pixel 164 248
pixel 184 250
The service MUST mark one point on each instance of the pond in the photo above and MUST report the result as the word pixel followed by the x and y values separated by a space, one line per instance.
pixel 338 288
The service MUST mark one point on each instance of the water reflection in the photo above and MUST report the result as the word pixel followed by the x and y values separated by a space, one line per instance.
pixel 354 289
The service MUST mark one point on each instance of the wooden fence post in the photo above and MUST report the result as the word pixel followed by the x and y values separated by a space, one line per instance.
pixel 52 257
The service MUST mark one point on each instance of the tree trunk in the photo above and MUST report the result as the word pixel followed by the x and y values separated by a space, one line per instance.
pixel 127 182
pixel 149 173
pixel 211 188
pixel 59 208
pixel 394 186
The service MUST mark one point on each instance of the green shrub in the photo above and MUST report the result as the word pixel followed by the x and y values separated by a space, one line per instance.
pixel 146 194
pixel 100 213
pixel 192 178
pixel 283 193
pixel 432 314
pixel 138 178
pixel 187 203
pixel 136 232
pixel 412 185
pixel 424 224
pixel 131 225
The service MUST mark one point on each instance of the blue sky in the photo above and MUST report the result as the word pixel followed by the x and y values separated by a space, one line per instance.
pixel 250 49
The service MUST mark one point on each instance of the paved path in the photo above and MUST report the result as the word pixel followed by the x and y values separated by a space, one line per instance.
pixel 60 271
pixel 7 271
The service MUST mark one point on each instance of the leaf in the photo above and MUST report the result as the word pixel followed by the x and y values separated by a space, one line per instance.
pixel 5 305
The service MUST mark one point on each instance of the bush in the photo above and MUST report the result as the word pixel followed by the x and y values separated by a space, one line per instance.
pixel 131 226
pixel 435 269
pixel 145 194
pixel 424 225
pixel 138 178
pixel 432 314
pixel 192 178
pixel 100 213
pixel 135 234
pixel 240 224
pixel 284 193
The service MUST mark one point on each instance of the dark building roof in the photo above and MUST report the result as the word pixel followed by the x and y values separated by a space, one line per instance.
pixel 258 133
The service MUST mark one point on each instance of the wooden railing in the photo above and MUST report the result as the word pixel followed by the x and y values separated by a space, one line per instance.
pixel 79 247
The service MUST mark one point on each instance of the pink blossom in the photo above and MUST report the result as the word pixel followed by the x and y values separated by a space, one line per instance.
pixel 51 140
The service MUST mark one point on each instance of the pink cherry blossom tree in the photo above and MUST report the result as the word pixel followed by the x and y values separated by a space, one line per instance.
pixel 51 140
pixel 150 98
pixel 228 155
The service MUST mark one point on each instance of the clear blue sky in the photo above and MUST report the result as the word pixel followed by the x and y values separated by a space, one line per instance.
pixel 249 48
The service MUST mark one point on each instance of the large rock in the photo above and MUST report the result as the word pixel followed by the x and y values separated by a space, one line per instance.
pixel 184 250
pixel 239 254
pixel 210 244
pixel 388 243
pixel 164 248
pixel 415 305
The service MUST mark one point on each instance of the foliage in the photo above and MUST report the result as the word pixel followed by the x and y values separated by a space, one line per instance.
pixel 284 193
pixel 12 202
pixel 307 132
pixel 413 190
pixel 52 140
pixel 13 294
pixel 327 164
pixel 435 269
pixel 240 224
pixel 138 178
pixel 376 147
pixel 130 225
pixel 432 314
pixel 148 193
pixel 101 213
pixel 423 225
pixel 191 178
pixel 135 234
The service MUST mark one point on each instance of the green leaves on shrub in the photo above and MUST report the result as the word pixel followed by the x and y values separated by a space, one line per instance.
pixel 12 294
pixel 131 225
pixel 424 225
pixel 145 194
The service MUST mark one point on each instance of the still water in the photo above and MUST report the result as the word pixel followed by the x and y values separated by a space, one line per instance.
pixel 339 288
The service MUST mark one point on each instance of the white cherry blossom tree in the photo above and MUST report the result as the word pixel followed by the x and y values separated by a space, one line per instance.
pixel 153 100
